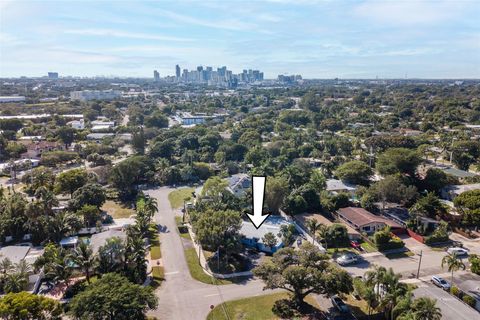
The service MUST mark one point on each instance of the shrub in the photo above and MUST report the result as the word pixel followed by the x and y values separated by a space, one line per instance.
pixel 455 291
pixel 469 300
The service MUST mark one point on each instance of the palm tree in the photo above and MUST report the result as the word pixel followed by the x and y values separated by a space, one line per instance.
pixel 370 298
pixel 322 232
pixel 23 267
pixel 111 256
pixel 84 258
pixel 312 225
pixel 15 282
pixel 453 263
pixel 375 279
pixel 151 205
pixel 425 308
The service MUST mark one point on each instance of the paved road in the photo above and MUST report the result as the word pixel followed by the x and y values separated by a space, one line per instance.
pixel 451 307
pixel 180 296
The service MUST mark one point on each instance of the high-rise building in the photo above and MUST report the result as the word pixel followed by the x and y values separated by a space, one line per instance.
pixel 156 75
pixel 53 75
pixel 177 71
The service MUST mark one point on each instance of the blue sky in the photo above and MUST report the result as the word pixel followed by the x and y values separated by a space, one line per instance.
pixel 318 39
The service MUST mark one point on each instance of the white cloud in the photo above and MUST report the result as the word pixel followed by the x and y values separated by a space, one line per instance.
pixel 410 12
pixel 230 24
pixel 124 34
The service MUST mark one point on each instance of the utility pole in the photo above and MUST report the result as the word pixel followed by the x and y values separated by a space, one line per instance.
pixel 419 263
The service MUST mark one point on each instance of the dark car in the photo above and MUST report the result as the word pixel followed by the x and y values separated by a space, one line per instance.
pixel 339 304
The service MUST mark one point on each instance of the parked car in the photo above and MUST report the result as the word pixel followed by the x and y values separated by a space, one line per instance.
pixel 458 251
pixel 339 304
pixel 299 241
pixel 348 258
pixel 442 283
pixel 355 244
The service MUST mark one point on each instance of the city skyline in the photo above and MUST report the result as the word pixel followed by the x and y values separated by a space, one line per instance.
pixel 318 39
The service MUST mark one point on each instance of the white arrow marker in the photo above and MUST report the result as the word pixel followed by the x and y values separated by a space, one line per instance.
pixel 258 194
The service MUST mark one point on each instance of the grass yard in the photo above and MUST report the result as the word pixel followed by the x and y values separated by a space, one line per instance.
pixel 359 307
pixel 117 210
pixel 196 270
pixel 368 247
pixel 254 308
pixel 155 252
pixel 158 275
pixel 176 197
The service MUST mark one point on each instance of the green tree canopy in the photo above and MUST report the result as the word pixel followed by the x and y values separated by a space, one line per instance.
pixel 113 297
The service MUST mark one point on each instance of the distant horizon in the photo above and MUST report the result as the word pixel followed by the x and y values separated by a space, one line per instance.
pixel 359 39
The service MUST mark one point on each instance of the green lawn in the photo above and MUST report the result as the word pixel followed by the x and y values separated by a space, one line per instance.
pixel 155 251
pixel 254 308
pixel 196 270
pixel 158 276
pixel 117 210
pixel 176 197
pixel 368 247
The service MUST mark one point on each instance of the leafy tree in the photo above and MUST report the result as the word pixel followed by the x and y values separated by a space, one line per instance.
pixel 464 153
pixel 429 206
pixel 27 306
pixel 468 204
pixel 214 228
pixel 435 179
pixel 336 235
pixel 90 214
pixel 66 134
pixel 393 189
pixel 398 160
pixel 269 240
pixel 214 188
pixel 356 172
pixel 453 262
pixel 275 192
pixel 91 194
pixel 302 272
pixel 302 199
pixel 130 172
pixel 474 260
pixel 70 180
pixel 138 141
pixel 318 180
pixel 287 232
pixel 113 297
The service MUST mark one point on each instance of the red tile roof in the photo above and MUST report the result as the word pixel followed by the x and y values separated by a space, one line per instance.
pixel 361 217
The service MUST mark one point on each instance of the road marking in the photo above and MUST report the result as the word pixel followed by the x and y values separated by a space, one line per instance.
pixel 212 295
pixel 173 272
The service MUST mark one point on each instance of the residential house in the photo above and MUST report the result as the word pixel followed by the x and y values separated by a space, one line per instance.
pixel 335 186
pixel 99 239
pixel 365 221
pixel 252 237
pixel 37 148
pixel 302 218
pixel 238 184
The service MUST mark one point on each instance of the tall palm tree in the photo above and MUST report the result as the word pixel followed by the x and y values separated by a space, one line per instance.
pixel 151 205
pixel 425 308
pixel 23 267
pixel 322 232
pixel 375 279
pixel 111 256
pixel 312 225
pixel 84 258
pixel 453 263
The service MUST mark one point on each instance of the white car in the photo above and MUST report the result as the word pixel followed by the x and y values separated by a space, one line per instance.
pixel 458 251
pixel 347 259
pixel 440 282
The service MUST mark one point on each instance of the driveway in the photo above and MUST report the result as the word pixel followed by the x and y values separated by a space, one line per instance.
pixel 180 296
